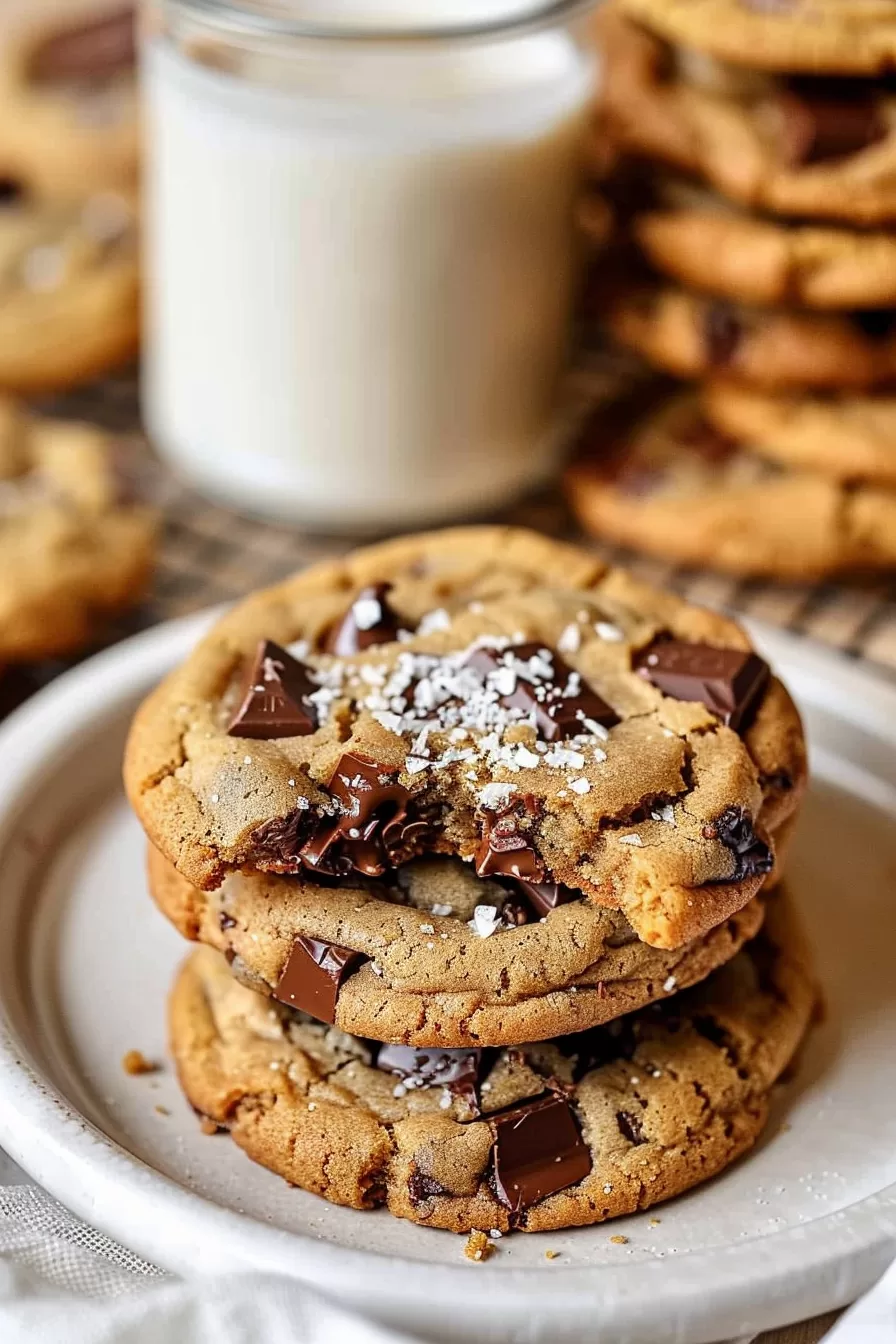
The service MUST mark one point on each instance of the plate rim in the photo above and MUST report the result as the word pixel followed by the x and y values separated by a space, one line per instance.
pixel 767 1283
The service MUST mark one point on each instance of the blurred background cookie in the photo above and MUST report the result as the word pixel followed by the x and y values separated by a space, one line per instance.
pixel 68 96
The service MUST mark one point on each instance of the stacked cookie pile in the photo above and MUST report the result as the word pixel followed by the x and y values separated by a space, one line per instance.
pixel 477 835
pixel 760 137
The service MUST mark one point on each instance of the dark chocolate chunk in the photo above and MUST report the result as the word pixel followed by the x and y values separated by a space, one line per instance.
pixel 372 830
pixel 369 620
pixel 422 1187
pixel 277 844
pixel 722 332
pixel 546 896
pixel 729 682
pixel 457 1070
pixel 559 703
pixel 313 975
pixel 538 1150
pixel 90 52
pixel 752 856
pixel 878 324
pixel 11 191
pixel 505 850
pixel 275 698
pixel 820 121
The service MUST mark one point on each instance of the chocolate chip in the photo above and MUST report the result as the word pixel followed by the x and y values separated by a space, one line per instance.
pixel 372 830
pixel 456 1070
pixel 819 122
pixel 275 701
pixel 538 1150
pixel 630 1127
pixel 90 52
pixel 11 191
pixel 313 975
pixel 878 324
pixel 729 682
pixel 505 850
pixel 546 896
pixel 722 332
pixel 559 702
pixel 422 1187
pixel 752 856
pixel 369 620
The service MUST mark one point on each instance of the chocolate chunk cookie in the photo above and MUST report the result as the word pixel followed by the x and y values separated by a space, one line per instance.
pixel 73 552
pixel 692 335
pixel 832 37
pixel 539 1137
pixel 849 437
pixel 811 147
pixel 435 955
pixel 673 486
pixel 508 704
pixel 68 98
pixel 69 289
pixel 764 261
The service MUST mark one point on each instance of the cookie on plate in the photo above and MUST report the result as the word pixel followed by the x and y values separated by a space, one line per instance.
pixel 73 550
pixel 68 98
pixel 484 693
pixel 435 955
pixel 826 37
pixel 673 486
pixel 849 437
pixel 538 1137
pixel 69 289
pixel 792 146
pixel 692 335
pixel 765 261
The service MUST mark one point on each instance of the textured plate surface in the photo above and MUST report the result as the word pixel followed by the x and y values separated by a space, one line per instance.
pixel 801 1226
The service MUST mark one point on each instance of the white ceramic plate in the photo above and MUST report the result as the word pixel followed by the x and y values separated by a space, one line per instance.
pixel 802 1225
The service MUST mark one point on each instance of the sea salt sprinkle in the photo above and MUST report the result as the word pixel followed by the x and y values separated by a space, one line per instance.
pixel 632 839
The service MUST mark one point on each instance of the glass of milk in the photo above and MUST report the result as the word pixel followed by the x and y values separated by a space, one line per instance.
pixel 361 249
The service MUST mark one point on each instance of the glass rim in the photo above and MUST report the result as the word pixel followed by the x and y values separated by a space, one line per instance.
pixel 237 18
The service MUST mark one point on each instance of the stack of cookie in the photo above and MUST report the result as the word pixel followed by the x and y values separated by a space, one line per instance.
pixel 477 835
pixel 760 137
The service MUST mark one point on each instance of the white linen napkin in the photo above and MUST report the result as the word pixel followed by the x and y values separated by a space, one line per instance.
pixel 62 1281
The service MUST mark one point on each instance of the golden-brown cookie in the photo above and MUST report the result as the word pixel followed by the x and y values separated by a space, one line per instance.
pixel 692 335
pixel 673 486
pixel 849 437
pixel 563 1134
pixel 68 98
pixel 798 147
pixel 438 956
pixel 831 37
pixel 69 290
pixel 485 693
pixel 73 551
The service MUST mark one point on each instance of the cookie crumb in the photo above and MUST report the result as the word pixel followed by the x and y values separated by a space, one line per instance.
pixel 654 1222
pixel 551 1255
pixel 619 1240
pixel 134 1062
pixel 161 1110
pixel 478 1246
pixel 209 1126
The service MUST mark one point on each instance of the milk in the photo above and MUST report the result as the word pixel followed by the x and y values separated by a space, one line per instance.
pixel 361 270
